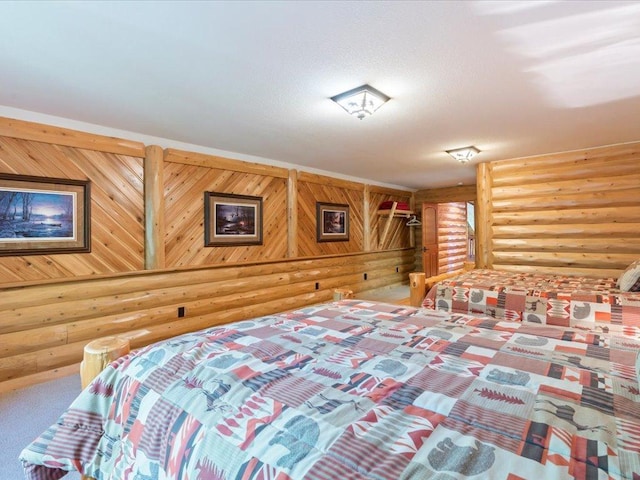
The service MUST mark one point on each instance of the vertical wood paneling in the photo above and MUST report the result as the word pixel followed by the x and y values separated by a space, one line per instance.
pixel 573 212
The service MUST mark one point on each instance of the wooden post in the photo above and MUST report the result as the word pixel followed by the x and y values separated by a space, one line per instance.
pixel 292 214
pixel 98 354
pixel 412 231
pixel 484 216
pixel 342 293
pixel 387 225
pixel 154 256
pixel 416 288
pixel 366 219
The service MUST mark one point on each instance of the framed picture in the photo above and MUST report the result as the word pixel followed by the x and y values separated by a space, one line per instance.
pixel 232 219
pixel 44 216
pixel 332 222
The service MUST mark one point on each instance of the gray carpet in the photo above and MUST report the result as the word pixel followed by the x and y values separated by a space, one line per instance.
pixel 25 414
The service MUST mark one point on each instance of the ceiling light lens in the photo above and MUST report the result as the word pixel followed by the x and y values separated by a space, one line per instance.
pixel 362 101
pixel 463 155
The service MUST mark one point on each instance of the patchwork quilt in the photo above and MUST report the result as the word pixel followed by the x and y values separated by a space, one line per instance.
pixel 592 303
pixel 357 390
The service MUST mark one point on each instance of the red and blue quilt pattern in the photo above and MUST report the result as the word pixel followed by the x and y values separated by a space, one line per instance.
pixel 359 391
pixel 590 303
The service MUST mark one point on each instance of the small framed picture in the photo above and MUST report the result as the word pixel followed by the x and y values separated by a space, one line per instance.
pixel 44 216
pixel 332 222
pixel 232 220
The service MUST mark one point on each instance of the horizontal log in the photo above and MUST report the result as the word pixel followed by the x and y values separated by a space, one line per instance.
pixel 587 230
pixel 149 298
pixel 61 290
pixel 60 356
pixel 602 199
pixel 552 217
pixel 20 342
pixel 84 320
pixel 570 271
pixel 452 246
pixel 570 244
pixel 462 193
pixel 570 164
pixel 600 183
pixel 46 376
pixel 71 138
pixel 613 261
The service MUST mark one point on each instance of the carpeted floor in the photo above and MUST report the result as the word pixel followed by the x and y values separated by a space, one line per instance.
pixel 26 413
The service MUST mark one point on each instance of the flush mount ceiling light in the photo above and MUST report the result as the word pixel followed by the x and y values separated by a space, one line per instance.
pixel 361 101
pixel 463 155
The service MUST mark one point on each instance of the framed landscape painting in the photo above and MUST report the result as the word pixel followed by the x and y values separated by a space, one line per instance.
pixel 44 216
pixel 232 219
pixel 332 222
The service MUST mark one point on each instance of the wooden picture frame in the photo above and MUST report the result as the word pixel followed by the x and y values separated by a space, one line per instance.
pixel 332 222
pixel 44 216
pixel 232 219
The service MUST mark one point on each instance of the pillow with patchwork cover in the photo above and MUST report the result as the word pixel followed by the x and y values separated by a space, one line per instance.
pixel 629 281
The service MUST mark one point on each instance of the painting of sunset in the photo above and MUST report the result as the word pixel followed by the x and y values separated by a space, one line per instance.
pixel 27 214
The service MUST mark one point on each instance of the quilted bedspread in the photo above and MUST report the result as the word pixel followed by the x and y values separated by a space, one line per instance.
pixel 593 303
pixel 357 390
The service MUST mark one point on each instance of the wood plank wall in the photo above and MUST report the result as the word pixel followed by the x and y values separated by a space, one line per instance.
pixel 570 213
pixel 314 188
pixel 116 177
pixel 463 193
pixel 147 213
pixel 399 233
pixel 188 175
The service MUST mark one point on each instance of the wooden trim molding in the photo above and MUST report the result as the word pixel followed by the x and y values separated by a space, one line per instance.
pixel 38 132
pixel 222 163
pixel 330 181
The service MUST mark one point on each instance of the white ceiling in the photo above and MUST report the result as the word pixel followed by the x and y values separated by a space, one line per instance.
pixel 254 78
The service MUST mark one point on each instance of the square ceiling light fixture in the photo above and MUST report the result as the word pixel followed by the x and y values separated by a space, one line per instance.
pixel 463 155
pixel 361 101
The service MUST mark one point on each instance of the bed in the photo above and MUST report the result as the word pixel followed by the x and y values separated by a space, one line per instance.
pixel 358 390
pixel 592 303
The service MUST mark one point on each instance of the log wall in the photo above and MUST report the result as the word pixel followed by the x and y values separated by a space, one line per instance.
pixel 463 193
pixel 570 213
pixel 148 256
pixel 44 327
pixel 452 236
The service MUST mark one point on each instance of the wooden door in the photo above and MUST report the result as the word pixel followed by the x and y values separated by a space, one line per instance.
pixel 430 239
